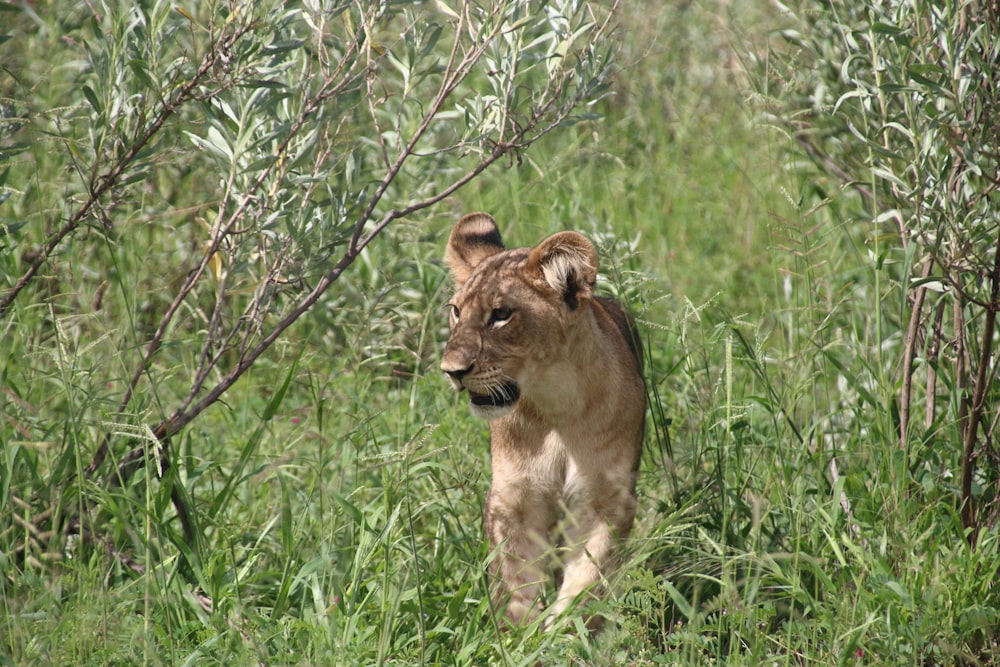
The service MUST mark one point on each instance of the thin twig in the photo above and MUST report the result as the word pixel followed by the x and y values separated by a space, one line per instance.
pixel 933 352
pixel 909 354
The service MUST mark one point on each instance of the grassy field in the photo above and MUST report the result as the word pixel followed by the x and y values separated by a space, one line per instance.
pixel 337 488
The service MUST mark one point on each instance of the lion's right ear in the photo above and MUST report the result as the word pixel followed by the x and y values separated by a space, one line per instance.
pixel 567 262
pixel 474 238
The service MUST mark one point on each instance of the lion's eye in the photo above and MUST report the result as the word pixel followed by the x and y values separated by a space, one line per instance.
pixel 500 316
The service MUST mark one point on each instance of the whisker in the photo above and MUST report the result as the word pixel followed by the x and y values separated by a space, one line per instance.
pixel 504 391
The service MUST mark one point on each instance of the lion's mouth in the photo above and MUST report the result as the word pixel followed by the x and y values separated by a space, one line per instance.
pixel 498 397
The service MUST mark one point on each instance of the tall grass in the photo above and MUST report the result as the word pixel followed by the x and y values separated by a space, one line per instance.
pixel 336 492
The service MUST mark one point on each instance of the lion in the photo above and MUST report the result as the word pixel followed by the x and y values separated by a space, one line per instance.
pixel 557 372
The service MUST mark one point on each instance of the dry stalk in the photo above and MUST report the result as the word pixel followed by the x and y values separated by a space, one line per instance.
pixel 909 354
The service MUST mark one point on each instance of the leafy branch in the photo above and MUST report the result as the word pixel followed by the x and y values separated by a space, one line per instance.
pixel 102 183
pixel 910 110
pixel 313 132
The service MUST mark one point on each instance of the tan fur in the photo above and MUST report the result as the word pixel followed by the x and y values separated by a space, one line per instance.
pixel 557 372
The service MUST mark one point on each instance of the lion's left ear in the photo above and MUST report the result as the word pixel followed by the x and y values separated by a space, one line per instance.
pixel 474 238
pixel 567 261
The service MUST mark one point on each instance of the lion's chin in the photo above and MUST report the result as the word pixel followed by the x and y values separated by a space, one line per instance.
pixel 491 412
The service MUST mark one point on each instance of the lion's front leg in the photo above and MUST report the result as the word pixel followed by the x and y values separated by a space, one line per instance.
pixel 599 519
pixel 518 521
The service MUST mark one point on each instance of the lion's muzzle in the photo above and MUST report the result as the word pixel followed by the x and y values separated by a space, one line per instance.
pixel 491 393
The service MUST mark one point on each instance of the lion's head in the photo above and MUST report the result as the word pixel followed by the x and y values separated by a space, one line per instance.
pixel 513 314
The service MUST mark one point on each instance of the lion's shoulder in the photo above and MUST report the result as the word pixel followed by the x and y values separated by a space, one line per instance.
pixel 624 324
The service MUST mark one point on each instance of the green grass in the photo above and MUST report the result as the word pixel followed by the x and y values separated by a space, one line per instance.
pixel 338 522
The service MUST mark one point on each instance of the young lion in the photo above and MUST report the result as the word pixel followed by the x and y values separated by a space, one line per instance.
pixel 557 371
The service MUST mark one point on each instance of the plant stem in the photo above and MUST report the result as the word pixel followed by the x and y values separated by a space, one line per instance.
pixel 909 352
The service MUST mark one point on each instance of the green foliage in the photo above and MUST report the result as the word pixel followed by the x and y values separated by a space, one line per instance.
pixel 187 478
pixel 900 102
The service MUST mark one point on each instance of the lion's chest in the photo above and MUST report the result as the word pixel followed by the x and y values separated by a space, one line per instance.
pixel 551 463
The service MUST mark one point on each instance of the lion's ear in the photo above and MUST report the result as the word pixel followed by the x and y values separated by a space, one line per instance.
pixel 567 261
pixel 474 238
